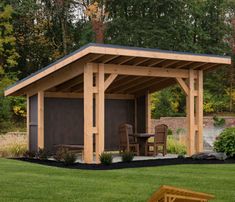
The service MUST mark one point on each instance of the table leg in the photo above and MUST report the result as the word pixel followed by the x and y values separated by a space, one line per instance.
pixel 142 142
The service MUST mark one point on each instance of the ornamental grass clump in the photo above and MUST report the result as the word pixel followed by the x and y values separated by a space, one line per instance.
pixel 175 147
pixel 13 150
pixel 17 150
pixel 127 156
pixel 106 158
pixel 225 142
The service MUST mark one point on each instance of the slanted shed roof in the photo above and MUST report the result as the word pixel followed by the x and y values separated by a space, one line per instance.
pixel 122 55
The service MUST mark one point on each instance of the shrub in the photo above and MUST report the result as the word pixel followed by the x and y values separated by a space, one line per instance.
pixel 226 142
pixel 127 156
pixel 180 131
pixel 169 132
pixel 29 154
pixel 174 146
pixel 106 158
pixel 218 122
pixel 42 154
pixel 182 155
pixel 69 158
pixel 59 155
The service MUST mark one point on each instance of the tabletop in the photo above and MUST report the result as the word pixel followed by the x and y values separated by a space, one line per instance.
pixel 144 135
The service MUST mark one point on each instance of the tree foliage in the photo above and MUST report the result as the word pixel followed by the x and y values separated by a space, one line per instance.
pixel 35 33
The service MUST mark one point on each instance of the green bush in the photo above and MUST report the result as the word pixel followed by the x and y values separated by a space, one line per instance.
pixel 106 158
pixel 127 156
pixel 29 154
pixel 226 142
pixel 69 157
pixel 59 155
pixel 169 132
pixel 42 154
pixel 218 122
pixel 181 156
pixel 175 147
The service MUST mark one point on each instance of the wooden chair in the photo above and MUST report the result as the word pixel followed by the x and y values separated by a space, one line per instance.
pixel 128 141
pixel 160 139
pixel 175 194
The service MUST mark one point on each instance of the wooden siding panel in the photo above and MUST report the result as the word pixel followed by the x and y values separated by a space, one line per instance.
pixel 33 123
pixel 64 121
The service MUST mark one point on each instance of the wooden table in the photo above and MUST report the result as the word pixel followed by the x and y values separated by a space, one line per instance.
pixel 142 139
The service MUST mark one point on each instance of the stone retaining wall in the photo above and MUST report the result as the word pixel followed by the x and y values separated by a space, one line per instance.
pixel 175 123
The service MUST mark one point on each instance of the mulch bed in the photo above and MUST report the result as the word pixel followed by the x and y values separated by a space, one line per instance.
pixel 133 164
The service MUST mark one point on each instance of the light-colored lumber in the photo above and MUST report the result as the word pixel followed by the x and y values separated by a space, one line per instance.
pixel 160 54
pixel 70 83
pixel 80 95
pixel 145 71
pixel 148 112
pixel 199 111
pixel 109 80
pixel 170 63
pixel 142 61
pixel 100 111
pixel 41 119
pixel 126 60
pixel 136 120
pixel 55 79
pixel 137 85
pixel 92 49
pixel 148 84
pixel 155 63
pixel 183 85
pixel 88 113
pixel 191 115
pixel 123 83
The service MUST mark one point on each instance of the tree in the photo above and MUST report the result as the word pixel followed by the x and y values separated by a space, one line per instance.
pixel 8 60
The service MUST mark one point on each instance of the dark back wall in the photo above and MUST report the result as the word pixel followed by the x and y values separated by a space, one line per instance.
pixel 64 121
pixel 33 123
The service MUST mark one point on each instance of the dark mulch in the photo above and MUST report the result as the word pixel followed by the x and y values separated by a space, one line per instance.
pixel 133 164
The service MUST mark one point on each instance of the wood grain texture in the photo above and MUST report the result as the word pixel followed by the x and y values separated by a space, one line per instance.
pixel 41 119
pixel 88 113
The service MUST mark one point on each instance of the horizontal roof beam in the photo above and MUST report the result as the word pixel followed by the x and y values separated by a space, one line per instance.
pixel 145 71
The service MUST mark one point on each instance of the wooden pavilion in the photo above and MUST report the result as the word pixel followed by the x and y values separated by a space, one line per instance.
pixel 84 96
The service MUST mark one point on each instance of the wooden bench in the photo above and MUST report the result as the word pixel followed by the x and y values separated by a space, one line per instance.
pixel 72 147
pixel 174 194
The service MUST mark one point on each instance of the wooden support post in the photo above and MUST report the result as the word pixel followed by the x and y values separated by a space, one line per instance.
pixel 41 119
pixel 148 112
pixel 199 111
pixel 190 115
pixel 27 121
pixel 88 113
pixel 100 110
pixel 136 121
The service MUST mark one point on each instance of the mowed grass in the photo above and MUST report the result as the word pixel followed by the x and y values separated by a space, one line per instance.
pixel 22 181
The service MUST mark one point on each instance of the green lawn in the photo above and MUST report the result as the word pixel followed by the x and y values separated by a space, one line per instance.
pixel 20 181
